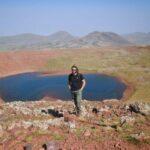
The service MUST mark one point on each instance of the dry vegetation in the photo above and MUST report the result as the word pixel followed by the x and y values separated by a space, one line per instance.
pixel 130 63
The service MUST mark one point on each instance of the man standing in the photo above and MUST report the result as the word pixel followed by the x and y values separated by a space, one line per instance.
pixel 76 83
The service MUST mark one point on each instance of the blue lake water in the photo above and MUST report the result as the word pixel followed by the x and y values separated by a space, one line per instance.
pixel 35 86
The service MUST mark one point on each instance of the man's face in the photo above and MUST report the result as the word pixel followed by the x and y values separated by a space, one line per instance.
pixel 74 70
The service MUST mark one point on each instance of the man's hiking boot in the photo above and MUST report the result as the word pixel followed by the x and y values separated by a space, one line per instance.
pixel 78 112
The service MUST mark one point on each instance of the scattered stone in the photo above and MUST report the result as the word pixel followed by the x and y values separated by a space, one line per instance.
pixel 14 125
pixel 138 136
pixel 126 107
pixel 145 109
pixel 68 118
pixel 126 119
pixel 118 146
pixel 50 146
pixel 26 124
pixel 71 124
pixel 44 111
pixel 108 119
pixel 28 147
pixel 42 124
pixel 87 133
pixel 55 113
pixel 95 110
pixel 56 122
pixel 134 108
pixel 105 108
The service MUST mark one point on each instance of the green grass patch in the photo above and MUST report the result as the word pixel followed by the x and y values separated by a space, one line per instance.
pixel 127 128
pixel 132 140
pixel 58 137
pixel 36 133
pixel 29 138
pixel 79 131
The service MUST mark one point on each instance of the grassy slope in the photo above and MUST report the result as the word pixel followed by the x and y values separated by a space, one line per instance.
pixel 132 64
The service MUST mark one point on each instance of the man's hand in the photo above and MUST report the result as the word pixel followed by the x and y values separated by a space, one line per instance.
pixel 83 85
pixel 69 87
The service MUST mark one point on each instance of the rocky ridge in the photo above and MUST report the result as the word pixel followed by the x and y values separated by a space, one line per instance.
pixel 54 122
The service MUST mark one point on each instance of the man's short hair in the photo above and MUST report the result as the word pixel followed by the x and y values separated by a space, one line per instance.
pixel 74 66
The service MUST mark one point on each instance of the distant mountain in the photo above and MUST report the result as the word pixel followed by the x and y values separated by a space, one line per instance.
pixel 138 38
pixel 34 41
pixel 60 36
pixel 61 39
pixel 21 41
pixel 98 39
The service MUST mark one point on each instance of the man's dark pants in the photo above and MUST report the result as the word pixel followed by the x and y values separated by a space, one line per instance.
pixel 77 97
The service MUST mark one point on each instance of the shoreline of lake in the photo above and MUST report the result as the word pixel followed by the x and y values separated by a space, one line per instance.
pixel 126 94
pixel 130 88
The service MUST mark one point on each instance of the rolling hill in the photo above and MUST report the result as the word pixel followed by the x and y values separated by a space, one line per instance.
pixel 61 39
pixel 139 38
pixel 99 39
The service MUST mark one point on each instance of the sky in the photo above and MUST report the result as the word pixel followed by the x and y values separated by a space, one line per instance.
pixel 78 17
